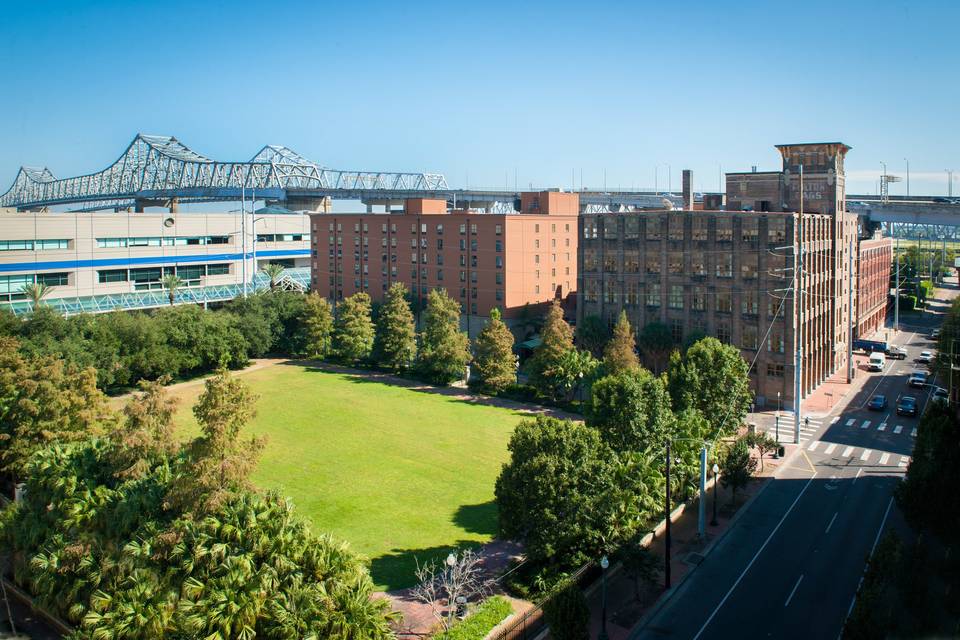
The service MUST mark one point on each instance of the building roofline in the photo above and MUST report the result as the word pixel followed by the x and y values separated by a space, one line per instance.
pixel 813 144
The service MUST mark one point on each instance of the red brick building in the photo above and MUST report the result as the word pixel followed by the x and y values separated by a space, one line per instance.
pixel 485 260
pixel 873 284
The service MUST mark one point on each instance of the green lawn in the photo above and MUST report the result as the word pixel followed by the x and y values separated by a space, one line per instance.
pixel 396 472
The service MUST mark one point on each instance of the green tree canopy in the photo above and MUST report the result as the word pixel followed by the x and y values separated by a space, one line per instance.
pixel 317 321
pixel 656 343
pixel 737 467
pixel 712 378
pixel 444 349
pixel 145 436
pixel 592 334
pixel 353 329
pixel 620 354
pixel 493 358
pixel 395 345
pixel 631 411
pixel 545 367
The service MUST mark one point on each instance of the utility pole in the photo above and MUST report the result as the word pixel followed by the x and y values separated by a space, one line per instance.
pixel 243 235
pixel 702 505
pixel 851 316
pixel 798 319
pixel 896 284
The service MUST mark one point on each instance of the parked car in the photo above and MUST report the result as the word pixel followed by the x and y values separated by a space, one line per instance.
pixel 935 334
pixel 926 357
pixel 877 403
pixel 907 406
pixel 941 395
pixel 896 353
pixel 918 379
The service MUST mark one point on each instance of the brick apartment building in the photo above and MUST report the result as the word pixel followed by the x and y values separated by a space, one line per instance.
pixel 485 260
pixel 728 273
pixel 873 284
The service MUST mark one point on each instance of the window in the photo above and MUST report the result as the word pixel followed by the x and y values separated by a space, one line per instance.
pixel 723 302
pixel 553 228
pixel 676 330
pixel 632 295
pixel 698 265
pixel 675 228
pixel 631 262
pixel 653 264
pixel 498 278
pixel 675 297
pixel 16 245
pixel 499 262
pixel 610 263
pixel 439 258
pixel 498 229
pixel 112 275
pixel 631 228
pixel 473 261
pixel 748 229
pixel 725 266
pixel 439 229
pixel 536 228
pixel 463 276
pixel 536 258
pixel 698 228
pixel 473 229
pixel 610 292
pixel 748 302
pixel 536 244
pixel 698 299
pixel 463 229
pixel 653 229
pixel 473 276
pixel 439 244
pixel 774 370
pixel 499 294
pixel 463 244
pixel 589 260
pixel 592 293
pixel 498 246
pixel 653 294
pixel 473 244
pixel 776 230
pixel 724 230
pixel 676 262
pixel 748 267
pixel 749 337
pixel 590 229
pixel 42 245
pixel 423 228
pixel 610 229
pixel 775 343
pixel 723 333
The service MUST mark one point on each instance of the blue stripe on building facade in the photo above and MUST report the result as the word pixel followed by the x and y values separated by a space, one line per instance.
pixel 162 260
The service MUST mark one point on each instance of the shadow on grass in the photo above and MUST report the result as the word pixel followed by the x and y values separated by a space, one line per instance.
pixel 456 394
pixel 397 569
pixel 477 518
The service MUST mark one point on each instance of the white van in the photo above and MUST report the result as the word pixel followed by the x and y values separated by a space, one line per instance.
pixel 877 362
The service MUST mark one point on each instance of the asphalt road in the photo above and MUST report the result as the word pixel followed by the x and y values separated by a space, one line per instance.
pixel 791 565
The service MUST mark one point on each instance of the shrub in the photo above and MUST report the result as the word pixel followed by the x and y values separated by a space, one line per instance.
pixel 567 613
pixel 478 624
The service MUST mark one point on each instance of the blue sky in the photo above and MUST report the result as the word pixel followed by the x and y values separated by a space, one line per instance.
pixel 486 91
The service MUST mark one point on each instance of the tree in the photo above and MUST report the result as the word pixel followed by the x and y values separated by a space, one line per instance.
pixel 317 318
pixel 45 401
pixel 592 334
pixel 219 461
pixel 631 411
pixel 545 366
pixel 620 355
pixel 171 282
pixel 763 443
pixel 737 468
pixel 353 330
pixel 273 271
pixel 656 344
pixel 567 613
pixel 712 378
pixel 145 435
pixel 561 493
pixel 444 349
pixel 35 293
pixel 493 358
pixel 395 344
pixel 459 575
pixel 639 563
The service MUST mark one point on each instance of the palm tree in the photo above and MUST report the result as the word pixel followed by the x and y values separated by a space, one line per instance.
pixel 171 283
pixel 273 271
pixel 35 292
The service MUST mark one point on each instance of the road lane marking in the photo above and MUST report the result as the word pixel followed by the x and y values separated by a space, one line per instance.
pixel 831 522
pixel 866 454
pixel 790 597
pixel 757 555
pixel 813 445
pixel 898 428
pixel 857 477
pixel 884 458
pixel 847 452
pixel 913 432
pixel 882 427
pixel 830 448
pixel 835 420
pixel 851 421
pixel 866 423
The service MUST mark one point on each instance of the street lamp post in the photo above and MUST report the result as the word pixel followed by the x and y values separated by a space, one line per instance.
pixel 666 541
pixel 716 481
pixel 451 605
pixel 604 563
pixel 776 453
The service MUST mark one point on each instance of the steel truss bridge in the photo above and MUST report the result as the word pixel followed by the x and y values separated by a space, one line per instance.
pixel 162 171
pixel 293 279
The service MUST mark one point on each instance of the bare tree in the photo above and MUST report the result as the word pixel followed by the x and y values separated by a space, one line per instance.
pixel 460 575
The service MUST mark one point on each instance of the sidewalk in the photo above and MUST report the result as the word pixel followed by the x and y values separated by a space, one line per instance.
pixel 624 609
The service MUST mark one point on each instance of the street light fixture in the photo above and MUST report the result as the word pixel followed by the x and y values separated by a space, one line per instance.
pixel 604 563
pixel 716 481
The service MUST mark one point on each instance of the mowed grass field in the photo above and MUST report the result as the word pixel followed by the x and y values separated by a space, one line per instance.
pixel 398 473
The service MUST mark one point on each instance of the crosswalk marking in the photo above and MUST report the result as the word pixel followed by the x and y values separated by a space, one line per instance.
pixel 866 423
pixel 847 452
pixel 835 420
pixel 866 454
pixel 913 432
pixel 882 427
pixel 830 448
pixel 813 445
pixel 851 421
pixel 898 428
pixel 904 461
pixel 884 458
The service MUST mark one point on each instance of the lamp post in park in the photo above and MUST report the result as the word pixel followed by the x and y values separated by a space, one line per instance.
pixel 604 563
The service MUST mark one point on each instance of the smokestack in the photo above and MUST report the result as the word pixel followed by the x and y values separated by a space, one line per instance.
pixel 688 190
